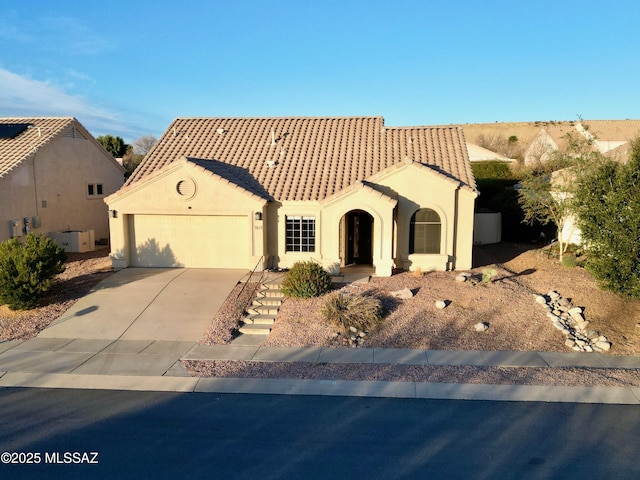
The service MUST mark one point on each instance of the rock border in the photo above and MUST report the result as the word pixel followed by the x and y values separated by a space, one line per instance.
pixel 570 320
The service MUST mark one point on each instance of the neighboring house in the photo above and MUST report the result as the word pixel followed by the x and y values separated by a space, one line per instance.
pixel 241 192
pixel 53 177
pixel 609 137
pixel 481 154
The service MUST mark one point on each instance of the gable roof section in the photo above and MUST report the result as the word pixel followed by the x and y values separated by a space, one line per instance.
pixel 308 158
pixel 236 176
pixel 41 131
pixel 481 154
pixel 613 130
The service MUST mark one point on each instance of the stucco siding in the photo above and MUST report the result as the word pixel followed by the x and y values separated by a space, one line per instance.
pixel 52 186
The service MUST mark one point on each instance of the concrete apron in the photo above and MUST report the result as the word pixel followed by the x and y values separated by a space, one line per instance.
pixel 148 304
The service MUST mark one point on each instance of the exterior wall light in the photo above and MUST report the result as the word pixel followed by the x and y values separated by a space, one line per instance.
pixel 258 216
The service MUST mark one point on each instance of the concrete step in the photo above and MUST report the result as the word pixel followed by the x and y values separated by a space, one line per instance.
pixel 270 292
pixel 260 319
pixel 251 329
pixel 263 310
pixel 275 301
pixel 270 286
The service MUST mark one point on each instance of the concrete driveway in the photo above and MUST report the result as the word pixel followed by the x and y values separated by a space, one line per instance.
pixel 148 304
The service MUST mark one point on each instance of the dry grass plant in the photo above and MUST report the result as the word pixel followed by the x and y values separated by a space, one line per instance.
pixel 345 309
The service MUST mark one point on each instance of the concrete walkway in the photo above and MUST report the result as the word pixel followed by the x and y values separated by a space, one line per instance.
pixel 154 365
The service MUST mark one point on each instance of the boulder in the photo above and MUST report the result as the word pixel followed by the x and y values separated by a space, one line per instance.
pixel 440 304
pixel 481 327
pixel 402 294
pixel 604 346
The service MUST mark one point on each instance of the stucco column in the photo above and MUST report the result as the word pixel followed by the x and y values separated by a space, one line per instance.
pixel 383 234
pixel 120 249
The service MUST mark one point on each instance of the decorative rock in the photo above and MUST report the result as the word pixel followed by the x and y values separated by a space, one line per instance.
pixel 440 304
pixel 571 322
pixel 541 300
pixel 576 315
pixel 564 302
pixel 461 278
pixel 481 327
pixel 353 329
pixel 402 294
pixel 574 310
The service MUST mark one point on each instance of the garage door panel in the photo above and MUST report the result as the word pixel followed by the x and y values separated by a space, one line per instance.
pixel 190 241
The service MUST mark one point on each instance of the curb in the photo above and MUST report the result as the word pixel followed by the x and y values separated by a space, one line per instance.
pixel 348 388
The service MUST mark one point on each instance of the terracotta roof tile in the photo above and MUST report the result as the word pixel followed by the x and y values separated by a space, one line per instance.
pixel 41 130
pixel 613 130
pixel 309 158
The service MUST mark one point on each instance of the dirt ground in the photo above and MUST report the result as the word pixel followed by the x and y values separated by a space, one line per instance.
pixel 515 321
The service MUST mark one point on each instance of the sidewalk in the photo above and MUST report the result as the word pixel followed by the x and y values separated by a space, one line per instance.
pixel 155 366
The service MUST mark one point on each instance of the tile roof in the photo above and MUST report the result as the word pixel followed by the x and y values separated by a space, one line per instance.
pixel 559 134
pixel 13 151
pixel 481 154
pixel 613 130
pixel 308 158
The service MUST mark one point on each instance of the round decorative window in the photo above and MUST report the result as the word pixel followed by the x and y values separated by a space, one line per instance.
pixel 186 188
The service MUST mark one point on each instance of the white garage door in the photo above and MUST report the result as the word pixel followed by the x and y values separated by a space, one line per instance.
pixel 189 241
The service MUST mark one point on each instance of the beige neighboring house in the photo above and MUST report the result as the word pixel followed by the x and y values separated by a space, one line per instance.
pixel 53 177
pixel 481 154
pixel 268 192
pixel 609 137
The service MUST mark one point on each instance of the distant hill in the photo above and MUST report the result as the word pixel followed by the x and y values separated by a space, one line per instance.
pixel 524 131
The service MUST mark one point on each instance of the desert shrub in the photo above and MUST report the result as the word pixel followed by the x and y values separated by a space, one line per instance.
pixel 607 204
pixel 493 170
pixel 306 280
pixel 488 274
pixel 350 310
pixel 26 269
pixel 569 260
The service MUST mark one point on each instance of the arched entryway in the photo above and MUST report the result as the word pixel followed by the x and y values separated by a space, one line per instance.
pixel 357 238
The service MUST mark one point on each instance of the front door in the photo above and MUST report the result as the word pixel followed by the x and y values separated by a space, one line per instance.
pixel 359 233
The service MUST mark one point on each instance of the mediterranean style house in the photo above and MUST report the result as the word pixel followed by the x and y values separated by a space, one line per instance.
pixel 54 177
pixel 268 192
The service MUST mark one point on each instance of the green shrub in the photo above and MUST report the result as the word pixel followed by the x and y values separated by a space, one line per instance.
pixel 349 310
pixel 488 274
pixel 569 260
pixel 26 269
pixel 306 280
pixel 493 169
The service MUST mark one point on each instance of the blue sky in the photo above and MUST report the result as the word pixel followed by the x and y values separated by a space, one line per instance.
pixel 131 67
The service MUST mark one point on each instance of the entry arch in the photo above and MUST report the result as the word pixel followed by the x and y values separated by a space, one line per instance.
pixel 357 237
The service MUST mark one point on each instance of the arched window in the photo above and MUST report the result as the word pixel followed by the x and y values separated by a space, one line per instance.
pixel 425 232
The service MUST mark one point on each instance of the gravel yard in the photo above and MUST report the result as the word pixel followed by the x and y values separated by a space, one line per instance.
pixel 83 271
pixel 516 322
pixel 507 305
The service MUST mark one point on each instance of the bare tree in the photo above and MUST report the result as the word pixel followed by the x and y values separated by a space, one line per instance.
pixel 142 145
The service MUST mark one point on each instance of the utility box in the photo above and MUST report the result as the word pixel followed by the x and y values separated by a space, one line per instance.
pixel 75 241
pixel 487 228
pixel 15 228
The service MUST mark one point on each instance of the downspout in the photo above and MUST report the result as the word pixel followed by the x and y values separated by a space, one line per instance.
pixel 35 184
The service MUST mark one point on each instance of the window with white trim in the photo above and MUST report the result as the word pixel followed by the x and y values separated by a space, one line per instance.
pixel 300 234
pixel 425 233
